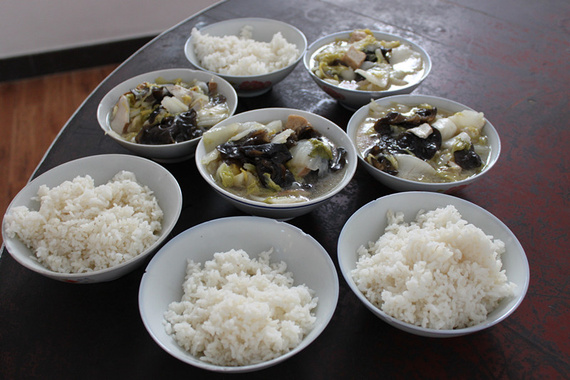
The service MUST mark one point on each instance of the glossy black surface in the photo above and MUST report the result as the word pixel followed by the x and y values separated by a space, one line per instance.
pixel 508 59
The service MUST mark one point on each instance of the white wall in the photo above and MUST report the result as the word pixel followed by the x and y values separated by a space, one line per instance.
pixel 36 26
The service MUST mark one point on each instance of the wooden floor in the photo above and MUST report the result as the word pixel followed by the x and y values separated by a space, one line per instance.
pixel 32 114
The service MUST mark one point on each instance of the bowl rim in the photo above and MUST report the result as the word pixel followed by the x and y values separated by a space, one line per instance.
pixel 408 327
pixel 302 49
pixel 349 174
pixel 309 338
pixel 38 181
pixel 321 41
pixel 361 113
pixel 102 113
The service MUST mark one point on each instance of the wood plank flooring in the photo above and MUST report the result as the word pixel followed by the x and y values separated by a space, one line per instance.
pixel 33 111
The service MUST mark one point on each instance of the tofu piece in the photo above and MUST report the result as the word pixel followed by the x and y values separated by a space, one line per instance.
pixel 296 122
pixel 212 87
pixel 353 58
pixel 357 35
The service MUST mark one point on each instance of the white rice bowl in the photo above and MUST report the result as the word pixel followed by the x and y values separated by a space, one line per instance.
pixel 242 55
pixel 239 310
pixel 252 54
pixel 438 276
pixel 80 227
pixel 116 253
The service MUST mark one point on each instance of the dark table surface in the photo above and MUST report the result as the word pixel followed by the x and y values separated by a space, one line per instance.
pixel 508 59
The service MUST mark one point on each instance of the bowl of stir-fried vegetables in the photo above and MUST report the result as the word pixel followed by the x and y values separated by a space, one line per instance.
pixel 162 114
pixel 423 143
pixel 356 66
pixel 276 162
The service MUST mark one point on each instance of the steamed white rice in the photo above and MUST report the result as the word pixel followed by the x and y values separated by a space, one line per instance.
pixel 81 227
pixel 238 310
pixel 242 55
pixel 437 272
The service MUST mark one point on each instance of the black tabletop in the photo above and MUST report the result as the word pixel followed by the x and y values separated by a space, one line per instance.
pixel 508 59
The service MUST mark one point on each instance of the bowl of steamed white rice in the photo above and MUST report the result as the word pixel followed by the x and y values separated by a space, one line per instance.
pixel 253 54
pixel 162 114
pixel 93 219
pixel 238 294
pixel 432 264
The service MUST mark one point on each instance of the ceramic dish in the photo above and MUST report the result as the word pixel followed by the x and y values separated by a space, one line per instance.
pixel 263 31
pixel 165 153
pixel 369 222
pixel 283 211
pixel 401 184
pixel 101 168
pixel 162 282
pixel 354 99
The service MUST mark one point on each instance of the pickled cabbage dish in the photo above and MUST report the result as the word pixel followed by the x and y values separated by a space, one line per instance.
pixel 365 63
pixel 167 112
pixel 422 143
pixel 277 162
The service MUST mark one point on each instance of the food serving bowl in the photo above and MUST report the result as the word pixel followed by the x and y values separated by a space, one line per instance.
pixel 402 184
pixel 263 31
pixel 101 168
pixel 354 99
pixel 162 282
pixel 290 210
pixel 368 223
pixel 165 153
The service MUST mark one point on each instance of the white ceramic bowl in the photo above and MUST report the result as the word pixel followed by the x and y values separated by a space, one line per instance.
pixel 162 282
pixel 101 168
pixel 168 152
pixel 354 99
pixel 292 210
pixel 263 31
pixel 402 184
pixel 369 222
